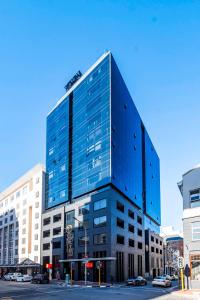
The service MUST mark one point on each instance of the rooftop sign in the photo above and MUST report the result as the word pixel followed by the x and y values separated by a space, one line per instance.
pixel 73 80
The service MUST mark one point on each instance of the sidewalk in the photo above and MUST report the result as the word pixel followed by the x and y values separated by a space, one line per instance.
pixel 194 294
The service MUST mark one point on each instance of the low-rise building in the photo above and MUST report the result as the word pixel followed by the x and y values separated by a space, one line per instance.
pixel 190 190
pixel 173 248
pixel 21 207
pixel 153 254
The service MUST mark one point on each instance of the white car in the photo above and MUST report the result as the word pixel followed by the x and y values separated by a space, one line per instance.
pixel 14 276
pixel 161 281
pixel 24 278
pixel 8 276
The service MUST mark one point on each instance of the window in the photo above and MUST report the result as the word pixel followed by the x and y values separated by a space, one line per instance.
pixel 46 246
pixel 36 237
pixel 23 241
pixel 36 259
pixel 131 214
pixel 47 221
pixel 120 223
pixel 160 251
pixel 37 180
pixel 24 231
pixel 24 212
pixel 36 226
pixel 83 210
pixel 17 224
pixel 36 204
pixel 23 221
pixel 36 248
pixel 131 243
pixel 56 245
pixel 46 233
pixel 100 204
pixel 83 240
pixel 24 202
pixel 139 220
pixel 160 243
pixel 196 231
pixel 99 239
pixel 139 245
pixel 156 241
pixel 11 218
pixel 94 178
pixel 62 193
pixel 25 190
pixel 16 251
pixel 23 250
pixel 195 198
pixel 50 175
pixel 62 168
pixel 120 206
pixel 152 249
pixel 51 150
pixel 37 194
pixel 152 238
pixel 120 239
pixel 57 218
pixel 36 215
pixel 95 162
pixel 139 232
pixel 18 194
pixel 131 228
pixel 157 250
pixel 100 221
pixel 57 231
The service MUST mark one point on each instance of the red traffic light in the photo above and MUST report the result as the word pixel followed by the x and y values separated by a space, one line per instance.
pixel 49 266
pixel 89 265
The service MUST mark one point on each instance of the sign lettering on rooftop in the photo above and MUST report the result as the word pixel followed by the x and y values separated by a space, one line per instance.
pixel 73 80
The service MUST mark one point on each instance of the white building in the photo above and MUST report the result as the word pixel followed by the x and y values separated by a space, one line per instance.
pixel 21 207
pixel 189 187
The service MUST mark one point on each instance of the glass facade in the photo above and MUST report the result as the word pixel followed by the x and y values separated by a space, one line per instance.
pixel 91 131
pixel 57 155
pixel 95 136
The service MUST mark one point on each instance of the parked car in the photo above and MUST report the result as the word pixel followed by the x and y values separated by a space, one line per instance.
pixel 24 278
pixel 136 281
pixel 8 276
pixel 40 278
pixel 161 281
pixel 14 276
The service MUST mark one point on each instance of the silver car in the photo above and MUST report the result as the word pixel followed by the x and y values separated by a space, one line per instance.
pixel 161 281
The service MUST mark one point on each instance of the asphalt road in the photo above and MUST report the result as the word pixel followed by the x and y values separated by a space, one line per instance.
pixel 27 291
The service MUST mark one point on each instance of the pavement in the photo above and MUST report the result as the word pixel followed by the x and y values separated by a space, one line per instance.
pixel 59 290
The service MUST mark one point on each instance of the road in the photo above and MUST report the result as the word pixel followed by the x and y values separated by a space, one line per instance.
pixel 27 291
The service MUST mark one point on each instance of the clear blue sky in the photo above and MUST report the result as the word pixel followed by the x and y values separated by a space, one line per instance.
pixel 157 47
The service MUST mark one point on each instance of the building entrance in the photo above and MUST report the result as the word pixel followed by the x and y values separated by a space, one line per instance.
pixel 195 267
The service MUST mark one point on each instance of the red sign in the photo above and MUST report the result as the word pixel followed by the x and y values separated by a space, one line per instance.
pixel 89 265
pixel 49 266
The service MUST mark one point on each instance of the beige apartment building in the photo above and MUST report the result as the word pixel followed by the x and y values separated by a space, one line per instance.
pixel 21 207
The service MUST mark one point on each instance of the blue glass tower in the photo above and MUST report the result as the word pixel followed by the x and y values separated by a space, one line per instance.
pixel 95 138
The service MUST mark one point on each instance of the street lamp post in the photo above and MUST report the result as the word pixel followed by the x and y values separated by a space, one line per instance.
pixel 85 238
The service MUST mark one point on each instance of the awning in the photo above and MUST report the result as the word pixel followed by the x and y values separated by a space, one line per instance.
pixel 88 259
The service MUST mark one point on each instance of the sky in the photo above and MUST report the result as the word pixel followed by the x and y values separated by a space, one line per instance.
pixel 156 45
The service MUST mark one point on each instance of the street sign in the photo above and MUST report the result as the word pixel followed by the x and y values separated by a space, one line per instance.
pixel 180 262
pixel 99 264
